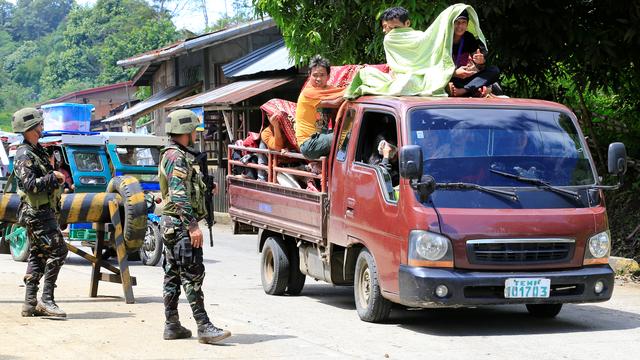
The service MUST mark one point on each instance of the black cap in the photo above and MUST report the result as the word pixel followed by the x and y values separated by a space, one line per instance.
pixel 463 15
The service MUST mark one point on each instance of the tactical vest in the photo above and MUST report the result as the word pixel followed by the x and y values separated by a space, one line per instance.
pixel 196 188
pixel 36 200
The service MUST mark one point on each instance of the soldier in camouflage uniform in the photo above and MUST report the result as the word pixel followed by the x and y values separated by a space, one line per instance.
pixel 39 187
pixel 183 193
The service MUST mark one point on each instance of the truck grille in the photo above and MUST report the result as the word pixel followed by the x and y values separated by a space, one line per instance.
pixel 519 251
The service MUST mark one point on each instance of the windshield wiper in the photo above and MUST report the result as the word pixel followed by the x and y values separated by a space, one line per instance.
pixel 461 185
pixel 540 183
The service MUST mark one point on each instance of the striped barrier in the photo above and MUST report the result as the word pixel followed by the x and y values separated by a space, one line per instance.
pixel 123 206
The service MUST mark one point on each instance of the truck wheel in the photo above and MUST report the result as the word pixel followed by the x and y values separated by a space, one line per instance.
pixel 19 243
pixel 371 306
pixel 275 266
pixel 296 277
pixel 546 311
pixel 151 250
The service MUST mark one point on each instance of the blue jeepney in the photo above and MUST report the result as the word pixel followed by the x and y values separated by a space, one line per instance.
pixel 90 160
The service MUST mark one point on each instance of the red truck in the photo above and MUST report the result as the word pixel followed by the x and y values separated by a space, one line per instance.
pixel 497 202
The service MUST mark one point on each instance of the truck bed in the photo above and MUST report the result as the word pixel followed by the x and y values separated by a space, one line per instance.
pixel 298 213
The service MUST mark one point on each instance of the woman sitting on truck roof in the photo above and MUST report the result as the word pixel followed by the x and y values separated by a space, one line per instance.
pixel 312 135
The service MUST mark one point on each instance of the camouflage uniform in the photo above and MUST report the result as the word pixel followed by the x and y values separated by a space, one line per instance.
pixel 182 263
pixel 39 190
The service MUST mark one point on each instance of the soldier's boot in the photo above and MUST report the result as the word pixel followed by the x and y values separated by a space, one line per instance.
pixel 47 305
pixel 173 330
pixel 30 301
pixel 209 334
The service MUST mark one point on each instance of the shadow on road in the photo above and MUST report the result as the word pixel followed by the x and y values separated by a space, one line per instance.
pixel 98 315
pixel 248 339
pixel 9 357
pixel 513 320
pixel 338 296
pixel 486 320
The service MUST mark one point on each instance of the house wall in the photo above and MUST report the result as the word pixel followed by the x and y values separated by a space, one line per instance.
pixel 104 101
pixel 163 78
pixel 191 67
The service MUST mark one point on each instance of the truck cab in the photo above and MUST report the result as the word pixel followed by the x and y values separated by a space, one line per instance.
pixel 497 202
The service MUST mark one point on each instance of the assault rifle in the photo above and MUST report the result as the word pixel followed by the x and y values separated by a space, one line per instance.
pixel 201 159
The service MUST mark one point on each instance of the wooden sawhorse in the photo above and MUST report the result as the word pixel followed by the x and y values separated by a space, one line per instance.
pixel 119 274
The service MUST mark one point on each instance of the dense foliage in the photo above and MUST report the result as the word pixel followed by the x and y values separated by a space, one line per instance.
pixel 49 48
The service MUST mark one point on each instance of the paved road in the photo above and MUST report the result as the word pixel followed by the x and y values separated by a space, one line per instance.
pixel 319 324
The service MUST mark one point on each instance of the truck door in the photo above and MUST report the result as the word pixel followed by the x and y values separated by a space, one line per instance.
pixel 371 202
pixel 343 154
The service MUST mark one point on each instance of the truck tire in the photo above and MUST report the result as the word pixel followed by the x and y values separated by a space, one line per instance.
pixel 135 209
pixel 370 304
pixel 296 277
pixel 544 311
pixel 151 250
pixel 274 268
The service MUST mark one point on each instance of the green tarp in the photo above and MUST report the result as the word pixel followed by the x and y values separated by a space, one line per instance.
pixel 420 62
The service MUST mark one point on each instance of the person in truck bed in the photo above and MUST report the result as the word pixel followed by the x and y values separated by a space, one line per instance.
pixel 272 138
pixel 314 139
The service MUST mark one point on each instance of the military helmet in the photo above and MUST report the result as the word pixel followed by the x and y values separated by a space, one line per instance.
pixel 182 122
pixel 25 119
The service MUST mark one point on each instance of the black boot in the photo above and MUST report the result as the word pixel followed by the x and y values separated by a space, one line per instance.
pixel 209 334
pixel 30 301
pixel 47 305
pixel 173 330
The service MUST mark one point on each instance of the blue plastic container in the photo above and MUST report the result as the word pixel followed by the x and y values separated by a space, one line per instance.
pixel 67 116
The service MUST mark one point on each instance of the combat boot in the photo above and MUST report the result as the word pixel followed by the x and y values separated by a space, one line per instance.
pixel 209 334
pixel 47 305
pixel 30 301
pixel 173 331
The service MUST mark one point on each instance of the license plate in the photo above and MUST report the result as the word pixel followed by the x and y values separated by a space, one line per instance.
pixel 527 288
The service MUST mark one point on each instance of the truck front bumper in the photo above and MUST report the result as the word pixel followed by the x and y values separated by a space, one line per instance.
pixel 469 288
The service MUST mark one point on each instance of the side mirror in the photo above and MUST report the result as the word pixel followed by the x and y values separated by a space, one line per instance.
pixel 617 159
pixel 411 162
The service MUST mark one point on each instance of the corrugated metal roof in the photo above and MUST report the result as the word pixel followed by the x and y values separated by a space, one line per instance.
pixel 193 44
pixel 88 92
pixel 272 57
pixel 232 93
pixel 153 102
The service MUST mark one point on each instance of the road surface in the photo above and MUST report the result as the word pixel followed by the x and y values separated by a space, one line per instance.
pixel 321 323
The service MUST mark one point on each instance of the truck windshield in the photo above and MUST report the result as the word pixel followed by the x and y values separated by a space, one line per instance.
pixel 464 145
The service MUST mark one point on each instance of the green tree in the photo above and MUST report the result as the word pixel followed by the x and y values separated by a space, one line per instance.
pixel 96 37
pixel 342 31
pixel 32 19
pixel 6 10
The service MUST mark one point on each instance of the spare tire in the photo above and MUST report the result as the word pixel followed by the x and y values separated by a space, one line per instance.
pixel 134 218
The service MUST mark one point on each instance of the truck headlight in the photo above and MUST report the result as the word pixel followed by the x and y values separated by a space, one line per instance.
pixel 429 249
pixel 598 249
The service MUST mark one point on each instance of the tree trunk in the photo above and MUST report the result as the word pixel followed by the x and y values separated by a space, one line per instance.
pixel 588 122
pixel 204 12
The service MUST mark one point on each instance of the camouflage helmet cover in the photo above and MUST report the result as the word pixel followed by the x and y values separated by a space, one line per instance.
pixel 182 122
pixel 25 119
